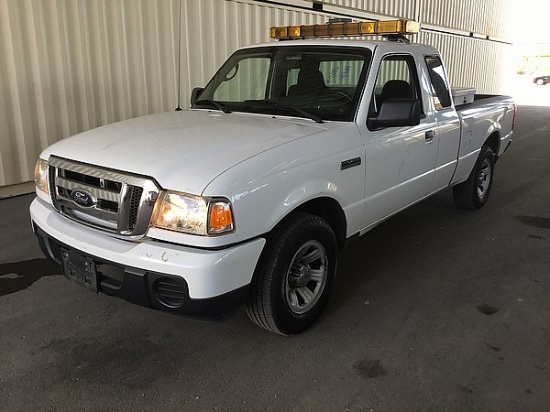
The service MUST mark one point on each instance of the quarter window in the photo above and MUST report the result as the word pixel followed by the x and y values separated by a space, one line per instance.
pixel 440 89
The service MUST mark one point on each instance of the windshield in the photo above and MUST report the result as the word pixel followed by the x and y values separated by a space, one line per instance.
pixel 320 83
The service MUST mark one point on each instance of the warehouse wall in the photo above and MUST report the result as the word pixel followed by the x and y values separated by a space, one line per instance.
pixel 70 65
pixel 484 17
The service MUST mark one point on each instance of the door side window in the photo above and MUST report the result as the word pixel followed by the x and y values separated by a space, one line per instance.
pixel 396 78
pixel 440 88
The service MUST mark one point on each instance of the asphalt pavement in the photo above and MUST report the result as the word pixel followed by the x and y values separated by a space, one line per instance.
pixel 437 309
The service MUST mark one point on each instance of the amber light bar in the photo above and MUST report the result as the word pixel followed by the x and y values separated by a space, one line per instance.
pixel 371 28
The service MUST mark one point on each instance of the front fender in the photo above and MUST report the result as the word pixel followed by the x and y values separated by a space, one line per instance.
pixel 268 187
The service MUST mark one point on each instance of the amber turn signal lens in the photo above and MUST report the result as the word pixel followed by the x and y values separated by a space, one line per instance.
pixel 220 218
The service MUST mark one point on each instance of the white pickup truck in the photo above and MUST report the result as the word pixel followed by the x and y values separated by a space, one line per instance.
pixel 292 149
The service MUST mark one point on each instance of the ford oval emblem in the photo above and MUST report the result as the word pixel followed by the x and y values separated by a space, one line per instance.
pixel 82 198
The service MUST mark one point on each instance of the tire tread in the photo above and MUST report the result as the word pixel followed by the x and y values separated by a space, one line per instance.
pixel 465 193
pixel 259 305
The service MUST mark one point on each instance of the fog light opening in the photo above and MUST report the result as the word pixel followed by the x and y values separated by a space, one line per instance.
pixel 170 292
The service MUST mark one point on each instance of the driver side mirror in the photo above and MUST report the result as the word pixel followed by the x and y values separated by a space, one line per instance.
pixel 396 112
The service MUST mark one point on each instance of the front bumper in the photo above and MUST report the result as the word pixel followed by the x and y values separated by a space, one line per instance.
pixel 202 283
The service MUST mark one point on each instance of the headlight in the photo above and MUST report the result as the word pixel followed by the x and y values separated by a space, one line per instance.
pixel 192 214
pixel 41 176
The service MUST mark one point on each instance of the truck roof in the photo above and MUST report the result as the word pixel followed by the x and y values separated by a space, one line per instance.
pixel 384 46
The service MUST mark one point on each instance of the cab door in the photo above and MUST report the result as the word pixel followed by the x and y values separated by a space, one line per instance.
pixel 400 161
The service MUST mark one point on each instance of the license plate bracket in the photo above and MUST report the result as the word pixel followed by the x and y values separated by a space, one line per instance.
pixel 80 269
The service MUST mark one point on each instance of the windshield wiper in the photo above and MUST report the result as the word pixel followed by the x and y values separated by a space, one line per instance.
pixel 272 103
pixel 214 103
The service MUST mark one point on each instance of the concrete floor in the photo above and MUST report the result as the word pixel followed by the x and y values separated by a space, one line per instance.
pixel 437 309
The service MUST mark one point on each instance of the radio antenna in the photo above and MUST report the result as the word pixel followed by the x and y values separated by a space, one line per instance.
pixel 178 80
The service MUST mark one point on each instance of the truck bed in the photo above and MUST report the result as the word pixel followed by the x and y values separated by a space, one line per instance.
pixel 484 117
pixel 483 99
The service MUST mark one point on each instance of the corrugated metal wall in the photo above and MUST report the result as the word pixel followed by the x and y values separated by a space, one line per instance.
pixel 402 8
pixel 486 17
pixel 70 65
pixel 469 62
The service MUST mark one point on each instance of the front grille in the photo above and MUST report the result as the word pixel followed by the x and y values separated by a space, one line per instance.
pixel 134 207
pixel 113 201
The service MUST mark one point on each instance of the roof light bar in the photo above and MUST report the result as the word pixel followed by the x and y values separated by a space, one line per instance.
pixel 370 28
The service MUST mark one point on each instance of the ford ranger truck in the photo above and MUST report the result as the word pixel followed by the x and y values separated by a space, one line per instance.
pixel 292 149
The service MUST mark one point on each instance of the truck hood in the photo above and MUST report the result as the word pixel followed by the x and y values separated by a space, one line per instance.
pixel 183 150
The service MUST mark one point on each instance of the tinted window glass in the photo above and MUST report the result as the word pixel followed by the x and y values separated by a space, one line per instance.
pixel 396 78
pixel 312 81
pixel 440 89
pixel 246 81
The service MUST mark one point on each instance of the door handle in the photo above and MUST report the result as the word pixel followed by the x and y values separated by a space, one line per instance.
pixel 429 136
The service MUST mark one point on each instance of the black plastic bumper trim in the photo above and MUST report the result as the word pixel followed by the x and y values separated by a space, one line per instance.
pixel 138 286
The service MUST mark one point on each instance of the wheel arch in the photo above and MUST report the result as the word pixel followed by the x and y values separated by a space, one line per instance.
pixel 326 208
pixel 330 210
pixel 493 141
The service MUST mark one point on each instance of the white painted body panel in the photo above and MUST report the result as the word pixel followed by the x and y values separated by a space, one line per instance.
pixel 400 163
pixel 269 186
pixel 480 120
pixel 399 170
pixel 181 150
pixel 448 128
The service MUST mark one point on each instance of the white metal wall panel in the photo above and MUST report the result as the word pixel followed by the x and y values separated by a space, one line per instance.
pixel 71 65
pixel 499 16
pixel 449 14
pixel 485 17
pixel 471 62
pixel 399 8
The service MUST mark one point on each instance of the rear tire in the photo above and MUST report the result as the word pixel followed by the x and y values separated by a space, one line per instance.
pixel 294 277
pixel 474 192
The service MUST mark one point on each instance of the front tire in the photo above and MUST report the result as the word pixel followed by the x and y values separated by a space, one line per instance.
pixel 294 277
pixel 541 82
pixel 474 192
